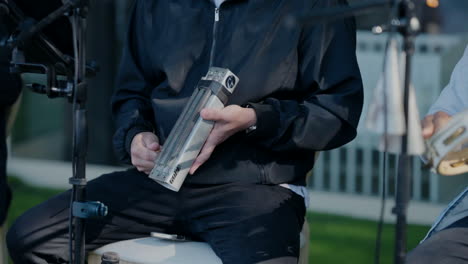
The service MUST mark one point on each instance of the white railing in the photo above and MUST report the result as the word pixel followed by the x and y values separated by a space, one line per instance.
pixel 357 167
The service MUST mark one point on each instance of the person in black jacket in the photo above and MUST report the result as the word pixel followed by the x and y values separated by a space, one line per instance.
pixel 300 91
pixel 10 89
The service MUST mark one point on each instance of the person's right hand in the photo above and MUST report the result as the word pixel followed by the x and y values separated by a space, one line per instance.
pixel 433 123
pixel 144 150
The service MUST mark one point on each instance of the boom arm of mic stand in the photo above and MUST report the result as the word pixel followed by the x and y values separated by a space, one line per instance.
pixel 15 14
pixel 35 29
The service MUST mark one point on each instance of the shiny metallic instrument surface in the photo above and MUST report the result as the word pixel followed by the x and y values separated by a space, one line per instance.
pixel 191 131
pixel 447 150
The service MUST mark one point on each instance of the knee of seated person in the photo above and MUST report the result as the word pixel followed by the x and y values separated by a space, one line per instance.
pixel 15 241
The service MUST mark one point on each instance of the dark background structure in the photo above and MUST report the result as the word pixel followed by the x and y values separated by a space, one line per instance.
pixel 43 127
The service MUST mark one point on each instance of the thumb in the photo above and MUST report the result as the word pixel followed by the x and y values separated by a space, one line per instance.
pixel 154 146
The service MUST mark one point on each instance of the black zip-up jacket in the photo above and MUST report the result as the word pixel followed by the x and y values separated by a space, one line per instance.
pixel 303 82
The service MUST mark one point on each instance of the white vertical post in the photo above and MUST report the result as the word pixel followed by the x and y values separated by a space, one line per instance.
pixel 367 170
pixel 334 167
pixel 417 178
pixel 351 168
pixel 433 187
pixel 381 168
pixel 318 172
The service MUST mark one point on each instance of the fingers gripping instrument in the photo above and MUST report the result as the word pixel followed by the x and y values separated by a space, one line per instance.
pixel 190 131
pixel 447 150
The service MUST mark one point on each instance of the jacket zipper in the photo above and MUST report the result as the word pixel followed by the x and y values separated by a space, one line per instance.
pixel 215 29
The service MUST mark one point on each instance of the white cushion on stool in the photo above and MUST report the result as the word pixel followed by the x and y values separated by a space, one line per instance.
pixel 151 250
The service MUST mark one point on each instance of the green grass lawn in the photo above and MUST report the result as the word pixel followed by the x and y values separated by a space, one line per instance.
pixel 338 239
pixel 334 239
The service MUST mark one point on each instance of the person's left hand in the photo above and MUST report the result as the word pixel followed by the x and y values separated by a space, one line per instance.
pixel 228 121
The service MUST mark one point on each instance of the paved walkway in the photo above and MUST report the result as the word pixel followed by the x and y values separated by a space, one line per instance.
pixel 365 207
pixel 51 173
pixel 55 174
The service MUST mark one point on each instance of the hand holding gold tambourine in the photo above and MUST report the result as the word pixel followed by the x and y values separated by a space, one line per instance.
pixel 447 150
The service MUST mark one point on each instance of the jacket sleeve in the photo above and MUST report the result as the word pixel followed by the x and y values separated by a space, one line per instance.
pixel 328 115
pixel 131 104
pixel 454 97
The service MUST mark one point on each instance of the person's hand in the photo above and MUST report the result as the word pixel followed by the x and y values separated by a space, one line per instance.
pixel 144 150
pixel 433 123
pixel 229 121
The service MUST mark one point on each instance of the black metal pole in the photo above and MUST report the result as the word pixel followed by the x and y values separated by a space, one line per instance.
pixel 401 206
pixel 80 133
pixel 80 190
pixel 409 29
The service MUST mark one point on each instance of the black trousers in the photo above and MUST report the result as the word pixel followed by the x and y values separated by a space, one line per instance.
pixel 243 223
pixel 448 246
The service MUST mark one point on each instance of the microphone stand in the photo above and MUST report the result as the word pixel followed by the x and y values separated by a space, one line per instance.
pixel 75 89
pixel 408 26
